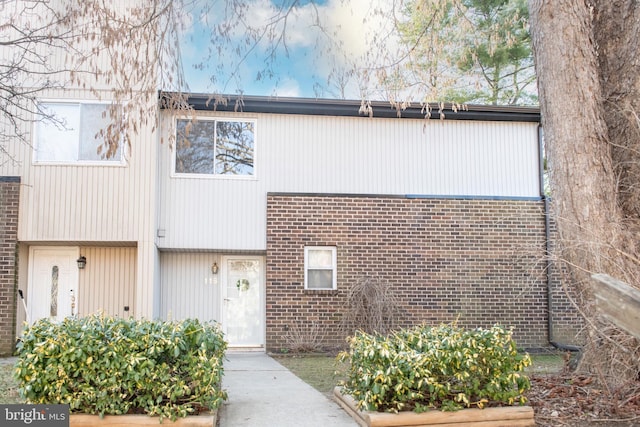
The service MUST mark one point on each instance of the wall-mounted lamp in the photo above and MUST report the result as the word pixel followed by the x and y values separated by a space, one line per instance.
pixel 82 262
pixel 214 268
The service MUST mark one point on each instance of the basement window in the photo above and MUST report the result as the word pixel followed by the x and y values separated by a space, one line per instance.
pixel 320 272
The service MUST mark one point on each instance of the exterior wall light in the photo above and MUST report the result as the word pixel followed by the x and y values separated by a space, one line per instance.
pixel 82 262
pixel 214 268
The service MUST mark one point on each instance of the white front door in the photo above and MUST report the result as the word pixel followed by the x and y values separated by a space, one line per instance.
pixel 242 288
pixel 53 283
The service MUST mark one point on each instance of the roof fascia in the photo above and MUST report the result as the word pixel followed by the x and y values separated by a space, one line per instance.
pixel 351 108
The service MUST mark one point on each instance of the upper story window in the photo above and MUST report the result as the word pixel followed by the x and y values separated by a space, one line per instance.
pixel 71 134
pixel 215 147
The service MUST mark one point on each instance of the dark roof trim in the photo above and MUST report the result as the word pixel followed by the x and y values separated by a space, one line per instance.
pixel 10 179
pixel 346 108
pixel 410 196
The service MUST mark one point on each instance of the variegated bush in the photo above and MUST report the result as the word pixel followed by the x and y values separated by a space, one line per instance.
pixel 105 365
pixel 444 367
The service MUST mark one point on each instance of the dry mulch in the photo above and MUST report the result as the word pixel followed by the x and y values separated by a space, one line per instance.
pixel 575 400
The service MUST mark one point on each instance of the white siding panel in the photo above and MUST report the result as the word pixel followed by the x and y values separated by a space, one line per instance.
pixel 91 202
pixel 13 152
pixel 94 203
pixel 390 156
pixel 215 208
pixel 189 289
pixel 346 155
pixel 108 283
pixel 23 285
pixel 148 285
pixel 80 203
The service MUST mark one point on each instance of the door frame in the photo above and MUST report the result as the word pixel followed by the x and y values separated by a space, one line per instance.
pixel 262 298
pixel 32 267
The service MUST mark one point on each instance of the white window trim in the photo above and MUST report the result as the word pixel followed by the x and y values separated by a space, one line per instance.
pixel 334 261
pixel 102 163
pixel 214 176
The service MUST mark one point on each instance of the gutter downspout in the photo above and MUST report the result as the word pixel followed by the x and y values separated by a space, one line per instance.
pixel 547 249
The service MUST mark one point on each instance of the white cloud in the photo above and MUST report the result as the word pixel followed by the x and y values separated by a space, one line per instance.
pixel 334 36
pixel 357 25
pixel 356 34
pixel 354 25
pixel 288 88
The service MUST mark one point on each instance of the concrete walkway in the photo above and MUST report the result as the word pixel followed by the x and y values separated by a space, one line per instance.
pixel 263 393
pixel 8 360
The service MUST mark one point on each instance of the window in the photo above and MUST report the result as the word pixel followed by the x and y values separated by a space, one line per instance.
pixel 320 267
pixel 72 134
pixel 215 147
pixel 53 311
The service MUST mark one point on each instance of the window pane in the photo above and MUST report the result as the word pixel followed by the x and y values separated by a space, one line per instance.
pixel 67 133
pixel 53 309
pixel 57 139
pixel 320 258
pixel 320 279
pixel 234 154
pixel 195 146
pixel 91 123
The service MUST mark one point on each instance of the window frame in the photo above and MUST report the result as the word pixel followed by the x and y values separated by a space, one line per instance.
pixel 334 267
pixel 122 161
pixel 216 176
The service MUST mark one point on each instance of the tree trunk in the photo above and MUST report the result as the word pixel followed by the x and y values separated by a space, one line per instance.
pixel 581 65
pixel 617 35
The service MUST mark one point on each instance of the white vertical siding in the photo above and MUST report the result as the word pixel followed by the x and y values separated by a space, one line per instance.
pixel 148 284
pixel 13 152
pixel 352 155
pixel 213 214
pixel 189 289
pixel 391 156
pixel 108 283
pixel 90 203
pixel 23 267
pixel 94 204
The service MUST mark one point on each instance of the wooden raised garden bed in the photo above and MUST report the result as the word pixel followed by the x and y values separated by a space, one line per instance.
pixel 509 416
pixel 83 420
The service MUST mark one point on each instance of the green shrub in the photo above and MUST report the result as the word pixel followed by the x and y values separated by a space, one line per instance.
pixel 443 367
pixel 104 365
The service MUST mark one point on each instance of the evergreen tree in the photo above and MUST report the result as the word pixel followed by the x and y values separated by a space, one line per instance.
pixel 470 51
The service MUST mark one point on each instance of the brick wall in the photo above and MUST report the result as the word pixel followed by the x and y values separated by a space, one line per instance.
pixel 481 261
pixel 9 201
pixel 566 323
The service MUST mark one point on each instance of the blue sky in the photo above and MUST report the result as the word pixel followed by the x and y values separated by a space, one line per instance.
pixel 302 70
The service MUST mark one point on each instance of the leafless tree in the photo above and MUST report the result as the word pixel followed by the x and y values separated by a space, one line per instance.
pixel 118 53
pixel 123 52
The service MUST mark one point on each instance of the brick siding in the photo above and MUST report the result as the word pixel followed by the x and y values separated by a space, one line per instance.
pixel 9 201
pixel 567 324
pixel 478 261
